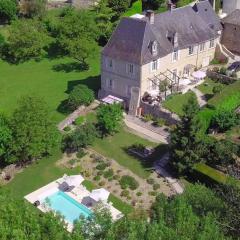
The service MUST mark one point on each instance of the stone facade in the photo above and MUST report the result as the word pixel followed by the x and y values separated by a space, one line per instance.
pixel 231 37
pixel 230 5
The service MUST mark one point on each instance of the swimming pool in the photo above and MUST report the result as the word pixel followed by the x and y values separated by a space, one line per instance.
pixel 69 208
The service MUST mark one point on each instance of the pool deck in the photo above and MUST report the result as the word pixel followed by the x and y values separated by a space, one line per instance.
pixel 77 193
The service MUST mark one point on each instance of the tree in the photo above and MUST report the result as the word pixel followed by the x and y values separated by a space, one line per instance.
pixel 33 8
pixel 5 137
pixel 34 133
pixel 27 39
pixel 153 4
pixel 8 10
pixel 76 34
pixel 217 89
pixel 104 15
pixel 163 85
pixel 83 136
pixel 80 95
pixel 224 119
pixel 185 142
pixel 119 6
pixel 109 118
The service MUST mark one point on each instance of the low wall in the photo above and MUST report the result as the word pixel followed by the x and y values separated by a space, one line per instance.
pixel 160 112
pixel 220 77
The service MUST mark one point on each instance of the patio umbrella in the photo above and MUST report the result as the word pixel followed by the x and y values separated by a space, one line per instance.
pixel 199 74
pixel 100 194
pixel 184 81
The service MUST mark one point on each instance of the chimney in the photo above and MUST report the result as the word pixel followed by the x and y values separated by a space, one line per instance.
pixel 150 16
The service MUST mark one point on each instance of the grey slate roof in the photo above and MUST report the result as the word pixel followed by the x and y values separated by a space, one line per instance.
pixel 233 18
pixel 132 38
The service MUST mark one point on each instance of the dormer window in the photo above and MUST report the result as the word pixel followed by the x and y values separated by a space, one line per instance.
pixel 154 48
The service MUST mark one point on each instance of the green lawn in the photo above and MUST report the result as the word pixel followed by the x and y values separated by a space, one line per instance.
pixel 50 79
pixel 135 8
pixel 37 175
pixel 176 102
pixel 115 147
pixel 207 87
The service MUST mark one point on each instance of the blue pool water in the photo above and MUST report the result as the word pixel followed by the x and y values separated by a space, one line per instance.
pixel 70 209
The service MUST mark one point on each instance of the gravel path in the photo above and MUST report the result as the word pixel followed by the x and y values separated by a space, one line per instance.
pixel 200 97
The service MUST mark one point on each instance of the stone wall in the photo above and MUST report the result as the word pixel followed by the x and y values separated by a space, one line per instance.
pixel 160 112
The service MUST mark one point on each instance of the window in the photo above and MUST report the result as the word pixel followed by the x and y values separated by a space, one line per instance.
pixel 154 65
pixel 130 68
pixel 110 84
pixel 202 47
pixel 211 45
pixel 190 50
pixel 154 48
pixel 175 54
pixel 174 75
pixel 109 63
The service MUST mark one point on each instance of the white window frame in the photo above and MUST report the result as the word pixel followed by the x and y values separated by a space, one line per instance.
pixel 110 84
pixel 191 50
pixel 175 55
pixel 130 69
pixel 202 47
pixel 154 65
pixel 212 43
pixel 174 75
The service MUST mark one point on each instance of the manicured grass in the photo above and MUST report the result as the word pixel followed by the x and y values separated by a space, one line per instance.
pixel 207 87
pixel 49 79
pixel 115 147
pixel 117 203
pixel 136 8
pixel 229 98
pixel 37 175
pixel 176 102
pixel 211 172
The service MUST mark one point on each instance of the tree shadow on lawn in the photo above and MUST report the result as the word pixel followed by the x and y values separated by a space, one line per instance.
pixel 91 82
pixel 208 96
pixel 147 162
pixel 70 67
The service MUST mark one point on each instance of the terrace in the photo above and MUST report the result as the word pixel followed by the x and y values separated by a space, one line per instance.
pixel 68 197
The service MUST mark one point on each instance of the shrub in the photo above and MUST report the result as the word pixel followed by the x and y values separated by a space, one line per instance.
pixel 79 121
pixel 224 119
pixel 223 70
pixel 128 181
pixel 80 95
pixel 101 166
pixel 139 194
pixel 156 186
pixel 148 118
pixel 159 122
pixel 102 183
pixel 97 178
pixel 116 177
pixel 100 173
pixel 72 161
pixel 152 193
pixel 217 89
pixel 108 174
pixel 150 181
pixel 67 129
pixel 81 153
pixel 125 193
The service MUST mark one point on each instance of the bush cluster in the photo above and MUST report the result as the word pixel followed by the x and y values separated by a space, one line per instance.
pixel 128 181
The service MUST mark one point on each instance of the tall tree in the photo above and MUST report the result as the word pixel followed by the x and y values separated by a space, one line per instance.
pixel 34 133
pixel 27 39
pixel 119 6
pixel 185 145
pixel 109 118
pixel 104 15
pixel 5 137
pixel 8 10
pixel 33 8
pixel 77 34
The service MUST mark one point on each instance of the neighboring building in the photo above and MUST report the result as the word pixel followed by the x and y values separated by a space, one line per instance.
pixel 231 32
pixel 230 5
pixel 143 49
